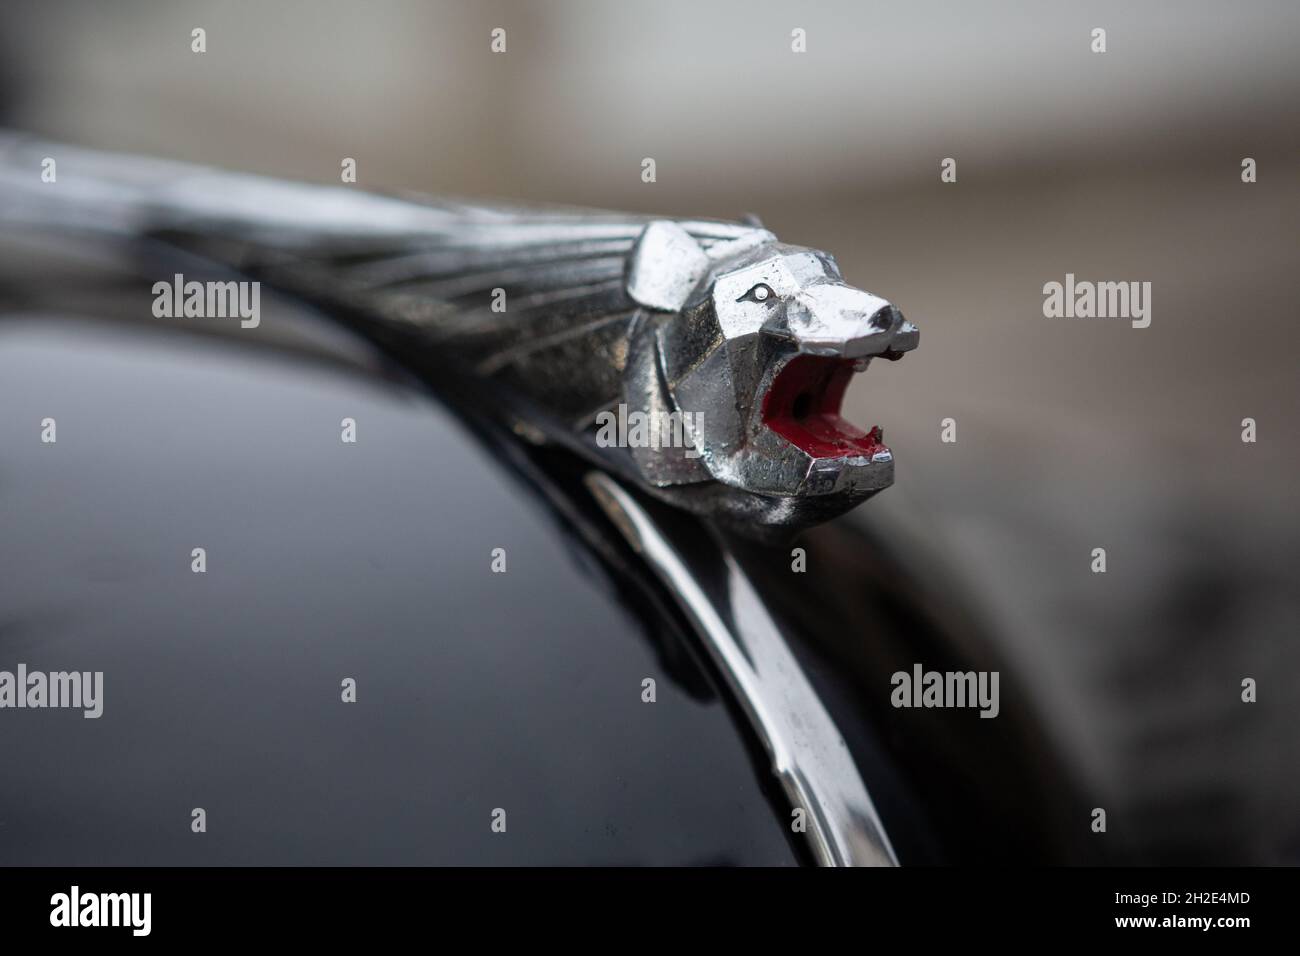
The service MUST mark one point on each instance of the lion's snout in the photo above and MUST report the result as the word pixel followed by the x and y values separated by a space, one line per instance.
pixel 833 319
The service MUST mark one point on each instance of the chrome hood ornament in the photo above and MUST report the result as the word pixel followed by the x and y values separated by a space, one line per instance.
pixel 759 340
pixel 734 346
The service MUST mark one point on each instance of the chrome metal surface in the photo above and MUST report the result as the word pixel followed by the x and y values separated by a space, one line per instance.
pixel 808 753
pixel 748 341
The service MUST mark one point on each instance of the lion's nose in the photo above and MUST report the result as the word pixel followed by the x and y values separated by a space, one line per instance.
pixel 883 318
pixel 840 320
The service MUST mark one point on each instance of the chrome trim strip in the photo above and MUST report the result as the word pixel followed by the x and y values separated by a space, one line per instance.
pixel 808 753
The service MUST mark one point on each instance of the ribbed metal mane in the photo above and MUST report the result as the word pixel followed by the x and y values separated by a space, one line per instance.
pixel 513 293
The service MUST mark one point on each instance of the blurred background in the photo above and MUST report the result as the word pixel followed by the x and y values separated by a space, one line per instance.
pixel 1071 435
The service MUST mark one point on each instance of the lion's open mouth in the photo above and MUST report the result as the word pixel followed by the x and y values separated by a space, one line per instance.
pixel 803 407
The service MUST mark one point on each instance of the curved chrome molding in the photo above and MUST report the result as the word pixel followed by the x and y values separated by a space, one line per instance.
pixel 808 753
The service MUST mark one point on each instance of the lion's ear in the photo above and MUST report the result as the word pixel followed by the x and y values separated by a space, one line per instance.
pixel 665 266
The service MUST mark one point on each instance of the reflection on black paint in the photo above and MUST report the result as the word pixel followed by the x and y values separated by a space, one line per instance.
pixel 325 560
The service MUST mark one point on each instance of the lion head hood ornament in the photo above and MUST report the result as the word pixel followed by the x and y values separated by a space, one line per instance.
pixel 758 340
pixel 727 351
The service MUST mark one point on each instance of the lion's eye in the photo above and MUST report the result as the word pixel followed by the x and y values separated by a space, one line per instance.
pixel 760 293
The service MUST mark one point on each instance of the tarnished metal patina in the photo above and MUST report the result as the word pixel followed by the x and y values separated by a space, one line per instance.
pixel 741 343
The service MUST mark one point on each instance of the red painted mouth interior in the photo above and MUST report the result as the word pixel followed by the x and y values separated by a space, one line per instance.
pixel 803 407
